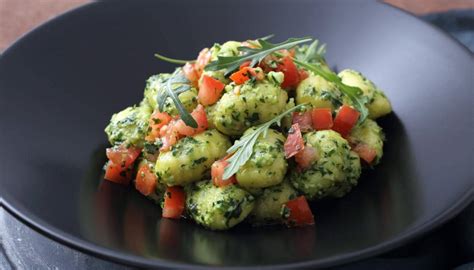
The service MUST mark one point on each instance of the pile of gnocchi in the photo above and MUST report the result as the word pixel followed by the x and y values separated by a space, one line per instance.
pixel 248 133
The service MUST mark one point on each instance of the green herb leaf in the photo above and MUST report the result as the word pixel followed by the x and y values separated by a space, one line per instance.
pixel 354 94
pixel 175 85
pixel 312 53
pixel 173 60
pixel 255 55
pixel 243 147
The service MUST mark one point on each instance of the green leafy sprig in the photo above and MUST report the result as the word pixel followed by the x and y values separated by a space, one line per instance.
pixel 175 85
pixel 254 55
pixel 243 148
pixel 355 94
pixel 173 60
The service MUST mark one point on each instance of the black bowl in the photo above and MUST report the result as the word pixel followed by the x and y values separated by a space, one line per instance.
pixel 60 83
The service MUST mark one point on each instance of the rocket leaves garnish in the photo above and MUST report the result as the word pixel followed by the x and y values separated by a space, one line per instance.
pixel 254 55
pixel 175 85
pixel 243 148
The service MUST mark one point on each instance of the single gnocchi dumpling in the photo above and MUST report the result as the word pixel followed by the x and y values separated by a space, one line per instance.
pixel 378 104
pixel 129 125
pixel 368 134
pixel 229 48
pixel 218 208
pixel 247 105
pixel 191 158
pixel 156 83
pixel 267 164
pixel 334 173
pixel 268 205
pixel 318 92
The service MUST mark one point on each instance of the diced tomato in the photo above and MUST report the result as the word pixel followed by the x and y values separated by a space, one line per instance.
pixel 244 74
pixel 199 114
pixel 306 157
pixel 210 90
pixel 244 64
pixel 303 74
pixel 217 171
pixel 290 71
pixel 169 137
pixel 123 155
pixel 299 212
pixel 203 59
pixel 365 152
pixel 145 182
pixel 241 76
pixel 304 120
pixel 322 118
pixel 345 120
pixel 191 73
pixel 157 121
pixel 174 202
pixel 294 143
pixel 117 173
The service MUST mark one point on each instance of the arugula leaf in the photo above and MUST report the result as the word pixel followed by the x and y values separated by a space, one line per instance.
pixel 243 147
pixel 255 55
pixel 175 85
pixel 354 94
pixel 312 53
pixel 173 60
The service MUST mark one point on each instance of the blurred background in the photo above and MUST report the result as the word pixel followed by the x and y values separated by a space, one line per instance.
pixel 448 247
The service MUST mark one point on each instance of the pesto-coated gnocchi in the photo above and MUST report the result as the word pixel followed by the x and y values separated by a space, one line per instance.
pixel 191 158
pixel 336 171
pixel 318 92
pixel 378 103
pixel 248 131
pixel 368 133
pixel 267 165
pixel 218 208
pixel 129 125
pixel 247 105
pixel 268 205
pixel 155 85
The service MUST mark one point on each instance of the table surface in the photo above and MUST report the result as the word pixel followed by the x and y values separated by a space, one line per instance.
pixel 452 245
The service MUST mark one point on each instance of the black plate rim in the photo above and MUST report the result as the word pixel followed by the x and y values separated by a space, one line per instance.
pixel 14 207
pixel 132 260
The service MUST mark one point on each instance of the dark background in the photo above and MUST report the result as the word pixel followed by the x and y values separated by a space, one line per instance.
pixel 450 246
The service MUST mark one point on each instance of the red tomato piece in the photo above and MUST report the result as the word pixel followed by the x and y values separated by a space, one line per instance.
pixel 199 114
pixel 173 206
pixel 306 157
pixel 117 173
pixel 245 64
pixel 365 152
pixel 202 60
pixel 169 136
pixel 299 212
pixel 241 76
pixel 217 171
pixel 191 73
pixel 288 67
pixel 304 120
pixel 345 120
pixel 294 143
pixel 322 118
pixel 145 181
pixel 122 155
pixel 210 90
pixel 157 121
pixel 303 74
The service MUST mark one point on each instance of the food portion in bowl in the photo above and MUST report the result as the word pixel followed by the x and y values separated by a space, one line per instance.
pixel 249 131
